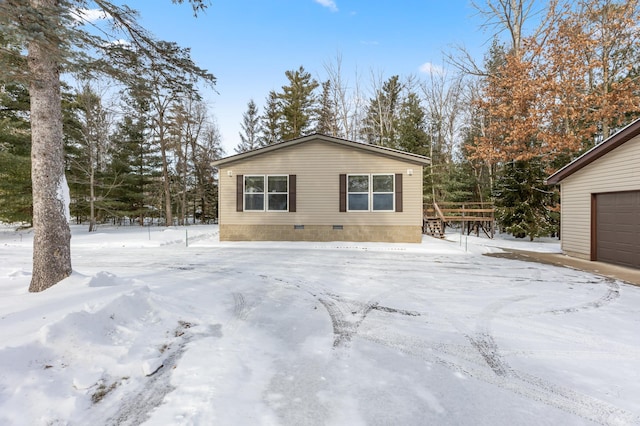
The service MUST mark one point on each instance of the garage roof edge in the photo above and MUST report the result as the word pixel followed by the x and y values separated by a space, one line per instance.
pixel 624 135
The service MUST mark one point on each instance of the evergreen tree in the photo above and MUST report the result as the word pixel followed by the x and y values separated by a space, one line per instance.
pixel 208 149
pixel 460 185
pixel 270 122
pixel 522 200
pixel 249 137
pixel 15 162
pixel 135 165
pixel 327 124
pixel 381 122
pixel 412 134
pixel 298 104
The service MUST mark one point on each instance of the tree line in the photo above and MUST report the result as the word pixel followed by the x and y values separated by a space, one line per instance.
pixel 135 155
pixel 403 113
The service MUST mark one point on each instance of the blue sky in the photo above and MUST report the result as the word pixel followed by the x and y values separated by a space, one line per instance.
pixel 249 44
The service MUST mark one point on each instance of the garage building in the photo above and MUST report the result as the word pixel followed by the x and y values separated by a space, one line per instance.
pixel 600 201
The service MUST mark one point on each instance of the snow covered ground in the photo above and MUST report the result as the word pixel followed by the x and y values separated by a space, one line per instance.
pixel 151 330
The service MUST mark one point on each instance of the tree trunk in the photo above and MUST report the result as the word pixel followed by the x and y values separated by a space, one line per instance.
pixel 166 184
pixel 51 243
pixel 92 198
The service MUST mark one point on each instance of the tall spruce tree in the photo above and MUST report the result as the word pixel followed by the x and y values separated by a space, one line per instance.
pixel 208 149
pixel 298 103
pixel 134 166
pixel 249 136
pixel 327 123
pixel 270 121
pixel 522 200
pixel 412 133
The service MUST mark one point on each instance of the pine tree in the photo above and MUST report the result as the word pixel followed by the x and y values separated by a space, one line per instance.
pixel 249 137
pixel 15 188
pixel 522 200
pixel 327 116
pixel 208 149
pixel 412 134
pixel 298 104
pixel 134 166
pixel 271 121
pixel 15 162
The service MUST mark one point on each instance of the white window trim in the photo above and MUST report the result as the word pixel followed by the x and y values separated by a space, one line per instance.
pixel 392 192
pixel 244 193
pixel 267 192
pixel 370 193
pixel 351 192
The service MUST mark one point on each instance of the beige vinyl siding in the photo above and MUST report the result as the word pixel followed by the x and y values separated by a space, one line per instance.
pixel 619 170
pixel 317 166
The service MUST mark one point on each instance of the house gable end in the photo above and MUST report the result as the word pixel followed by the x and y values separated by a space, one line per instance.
pixel 372 149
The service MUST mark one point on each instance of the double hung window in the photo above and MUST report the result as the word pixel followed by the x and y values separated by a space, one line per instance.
pixel 382 192
pixel 270 193
pixel 277 193
pixel 358 192
pixel 373 192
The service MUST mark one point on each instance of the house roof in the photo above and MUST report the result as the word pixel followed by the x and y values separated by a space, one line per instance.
pixel 380 150
pixel 624 135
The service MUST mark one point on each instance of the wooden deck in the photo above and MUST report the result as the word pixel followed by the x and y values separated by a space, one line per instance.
pixel 474 217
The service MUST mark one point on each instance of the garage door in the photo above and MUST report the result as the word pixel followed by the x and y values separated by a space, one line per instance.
pixel 618 228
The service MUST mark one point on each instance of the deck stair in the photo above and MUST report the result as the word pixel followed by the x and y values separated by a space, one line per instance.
pixel 434 227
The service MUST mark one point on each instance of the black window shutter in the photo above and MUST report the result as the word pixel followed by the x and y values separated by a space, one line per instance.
pixel 239 192
pixel 398 192
pixel 292 193
pixel 343 192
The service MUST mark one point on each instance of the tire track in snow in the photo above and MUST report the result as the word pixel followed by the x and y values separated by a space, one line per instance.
pixel 482 359
pixel 240 312
pixel 345 321
pixel 469 362
pixel 138 404
pixel 483 339
pixel 536 388
pixel 240 309
pixel 611 294
pixel 346 315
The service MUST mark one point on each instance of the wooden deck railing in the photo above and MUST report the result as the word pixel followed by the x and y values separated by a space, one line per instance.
pixel 475 216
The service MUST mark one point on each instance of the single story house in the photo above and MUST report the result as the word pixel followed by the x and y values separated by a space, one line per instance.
pixel 321 188
pixel 600 201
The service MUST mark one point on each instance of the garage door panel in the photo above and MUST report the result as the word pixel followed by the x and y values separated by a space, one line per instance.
pixel 618 228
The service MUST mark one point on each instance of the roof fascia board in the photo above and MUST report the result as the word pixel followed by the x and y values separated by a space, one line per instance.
pixel 624 135
pixel 388 152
